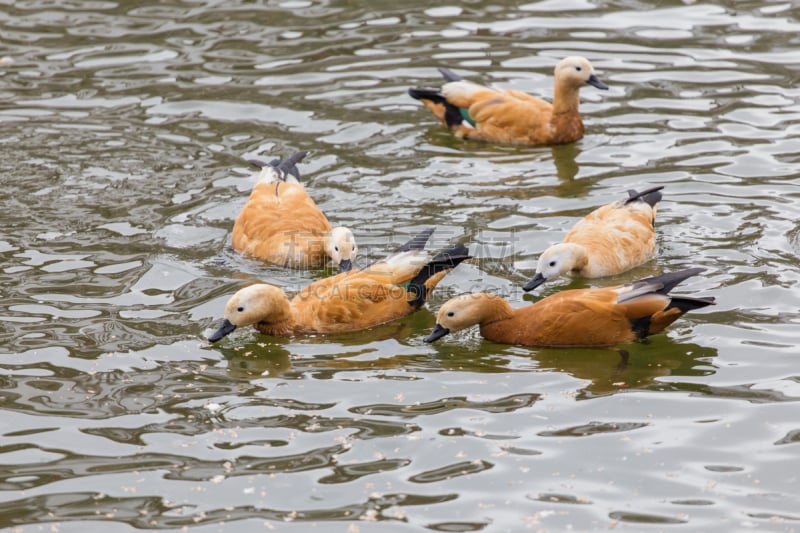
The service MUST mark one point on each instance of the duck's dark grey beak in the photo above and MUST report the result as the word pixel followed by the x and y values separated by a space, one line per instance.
pixel 595 82
pixel 537 280
pixel 257 163
pixel 224 330
pixel 438 332
pixel 345 265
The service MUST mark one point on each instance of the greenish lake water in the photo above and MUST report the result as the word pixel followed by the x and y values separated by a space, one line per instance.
pixel 124 130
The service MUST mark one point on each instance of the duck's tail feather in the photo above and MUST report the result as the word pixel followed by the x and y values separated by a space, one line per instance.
pixel 658 322
pixel 287 166
pixel 685 304
pixel 669 281
pixel 449 75
pixel 434 100
pixel 418 242
pixel 284 167
pixel 427 278
pixel 652 195
pixel 426 93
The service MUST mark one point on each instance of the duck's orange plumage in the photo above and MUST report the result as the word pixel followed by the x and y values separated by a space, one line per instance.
pixel 609 240
pixel 350 301
pixel 580 317
pixel 281 224
pixel 473 111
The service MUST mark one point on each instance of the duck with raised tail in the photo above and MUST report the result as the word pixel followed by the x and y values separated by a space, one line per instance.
pixel 384 291
pixel 281 223
pixel 579 317
pixel 610 240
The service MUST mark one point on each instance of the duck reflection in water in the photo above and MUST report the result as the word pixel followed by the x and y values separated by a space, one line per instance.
pixel 657 364
pixel 257 360
pixel 643 367
pixel 325 355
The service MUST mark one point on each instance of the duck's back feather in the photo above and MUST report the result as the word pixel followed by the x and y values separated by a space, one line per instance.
pixel 616 236
pixel 594 317
pixel 564 319
pixel 381 292
pixel 282 224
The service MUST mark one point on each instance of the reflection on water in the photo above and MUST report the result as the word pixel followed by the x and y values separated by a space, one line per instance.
pixel 269 361
pixel 125 131
pixel 642 369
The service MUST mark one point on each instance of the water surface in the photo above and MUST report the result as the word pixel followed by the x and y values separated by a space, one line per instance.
pixel 124 131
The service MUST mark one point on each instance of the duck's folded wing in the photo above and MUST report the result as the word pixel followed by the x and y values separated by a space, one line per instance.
pixel 642 305
pixel 501 116
pixel 351 304
pixel 528 98
pixel 580 317
pixel 416 270
pixel 649 306
pixel 401 265
pixel 397 269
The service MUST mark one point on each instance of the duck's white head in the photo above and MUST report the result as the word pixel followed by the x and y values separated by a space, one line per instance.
pixel 577 71
pixel 558 260
pixel 253 304
pixel 468 310
pixel 340 245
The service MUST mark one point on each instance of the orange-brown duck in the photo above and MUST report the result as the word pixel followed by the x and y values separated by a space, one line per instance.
pixel 579 317
pixel 473 111
pixel 281 224
pixel 608 241
pixel 350 301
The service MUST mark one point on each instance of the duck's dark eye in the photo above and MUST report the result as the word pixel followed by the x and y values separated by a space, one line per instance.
pixel 552 263
pixel 451 314
pixel 578 69
pixel 240 309
pixel 336 248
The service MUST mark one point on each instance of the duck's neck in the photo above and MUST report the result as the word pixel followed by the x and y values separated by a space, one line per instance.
pixel 497 322
pixel 579 257
pixel 565 99
pixel 571 257
pixel 494 309
pixel 280 321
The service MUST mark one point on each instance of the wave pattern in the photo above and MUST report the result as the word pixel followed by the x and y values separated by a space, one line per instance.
pixel 125 131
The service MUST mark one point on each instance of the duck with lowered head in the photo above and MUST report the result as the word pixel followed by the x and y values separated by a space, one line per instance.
pixel 610 240
pixel 384 291
pixel 571 318
pixel 281 223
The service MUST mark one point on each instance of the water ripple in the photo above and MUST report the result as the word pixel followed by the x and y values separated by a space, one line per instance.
pixel 125 131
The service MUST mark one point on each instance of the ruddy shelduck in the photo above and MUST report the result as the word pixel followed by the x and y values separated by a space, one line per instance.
pixel 578 317
pixel 608 241
pixel 350 301
pixel 472 111
pixel 281 224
